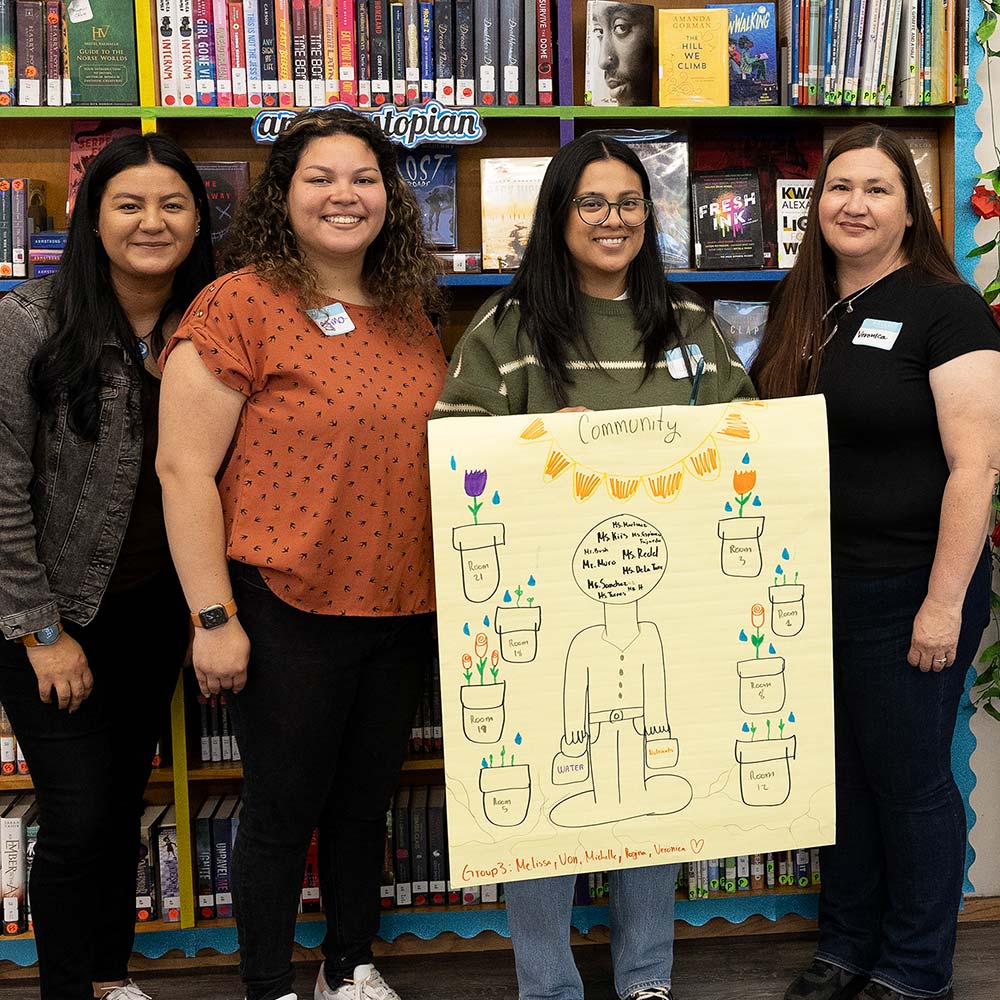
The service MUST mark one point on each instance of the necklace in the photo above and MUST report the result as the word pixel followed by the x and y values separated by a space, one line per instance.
pixel 143 346
pixel 847 301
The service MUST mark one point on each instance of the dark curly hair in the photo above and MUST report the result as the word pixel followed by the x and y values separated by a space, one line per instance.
pixel 398 270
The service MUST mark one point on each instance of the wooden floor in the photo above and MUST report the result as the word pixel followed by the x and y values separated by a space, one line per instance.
pixel 704 969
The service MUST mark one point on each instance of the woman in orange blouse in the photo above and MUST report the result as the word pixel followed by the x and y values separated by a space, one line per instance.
pixel 293 456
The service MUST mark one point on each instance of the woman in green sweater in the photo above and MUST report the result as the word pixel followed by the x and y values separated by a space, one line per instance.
pixel 590 323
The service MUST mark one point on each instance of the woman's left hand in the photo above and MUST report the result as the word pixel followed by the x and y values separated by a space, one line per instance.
pixel 935 635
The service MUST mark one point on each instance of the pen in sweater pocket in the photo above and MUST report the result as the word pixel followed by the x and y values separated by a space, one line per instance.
pixel 696 381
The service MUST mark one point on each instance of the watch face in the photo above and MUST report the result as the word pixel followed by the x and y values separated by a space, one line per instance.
pixel 48 635
pixel 213 616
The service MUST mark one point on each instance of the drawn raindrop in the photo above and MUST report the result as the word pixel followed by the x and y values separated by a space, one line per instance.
pixel 771 649
pixel 779 570
pixel 453 466
pixel 784 554
pixel 746 728
pixel 517 739
pixel 531 581
pixel 791 716
pixel 756 502
pixel 743 636
pixel 484 763
pixel 729 507
pixel 746 458
pixel 486 620
pixel 496 496
pixel 506 597
pixel 465 629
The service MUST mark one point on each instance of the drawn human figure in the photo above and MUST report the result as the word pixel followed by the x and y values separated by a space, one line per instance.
pixel 615 684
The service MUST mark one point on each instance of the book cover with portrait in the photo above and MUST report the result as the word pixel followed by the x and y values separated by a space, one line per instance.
pixel 725 212
pixel 432 173
pixel 753 53
pixel 619 54
pixel 509 189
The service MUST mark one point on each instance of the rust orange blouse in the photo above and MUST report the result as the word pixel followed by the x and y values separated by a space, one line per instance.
pixel 325 488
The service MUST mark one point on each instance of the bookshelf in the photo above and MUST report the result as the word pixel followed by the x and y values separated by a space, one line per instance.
pixel 34 142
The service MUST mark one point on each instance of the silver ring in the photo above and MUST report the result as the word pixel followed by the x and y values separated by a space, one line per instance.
pixel 939 659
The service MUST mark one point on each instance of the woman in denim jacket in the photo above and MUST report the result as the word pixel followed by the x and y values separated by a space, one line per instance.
pixel 94 616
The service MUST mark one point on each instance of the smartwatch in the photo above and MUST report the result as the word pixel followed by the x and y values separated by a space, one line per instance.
pixel 214 615
pixel 43 637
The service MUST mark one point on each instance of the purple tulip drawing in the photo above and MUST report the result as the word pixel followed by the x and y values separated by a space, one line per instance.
pixel 475 486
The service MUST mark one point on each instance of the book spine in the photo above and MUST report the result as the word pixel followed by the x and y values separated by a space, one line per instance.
pixel 283 52
pixel 387 887
pixel 22 762
pixel 221 878
pixel 436 716
pixel 364 29
pixel 169 874
pixel 346 47
pixel 185 74
pixel 317 66
pixel 418 845
pixel 53 53
pixel 511 48
pixel 204 53
pixel 757 872
pixel 889 58
pixel 411 50
pixel 401 836
pixel 546 60
pixel 397 39
pixel 30 52
pixel 268 55
pixel 225 730
pixel 793 61
pixel 300 54
pixel 714 881
pixel 802 869
pixel 529 71
pixel 223 65
pixel 331 68
pixel 742 872
pixel 311 902
pixel 426 51
pixel 12 869
pixel 855 34
pixel 30 840
pixel 444 51
pixel 145 888
pixel 251 36
pixel 381 52
pixel 830 42
pixel 730 876
pixel 814 872
pixel 19 266
pixel 215 729
pixel 465 55
pixel 205 738
pixel 770 870
pixel 6 234
pixel 8 751
pixel 67 95
pixel 8 55
pixel 487 13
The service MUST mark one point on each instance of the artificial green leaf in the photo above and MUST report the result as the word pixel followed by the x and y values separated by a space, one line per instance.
pixel 991 712
pixel 990 175
pixel 986 27
pixel 985 248
pixel 992 290
pixel 991 652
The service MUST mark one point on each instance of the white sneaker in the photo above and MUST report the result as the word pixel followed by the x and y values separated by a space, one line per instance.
pixel 127 992
pixel 367 984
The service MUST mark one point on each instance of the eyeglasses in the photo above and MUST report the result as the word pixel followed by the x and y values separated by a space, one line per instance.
pixel 595 210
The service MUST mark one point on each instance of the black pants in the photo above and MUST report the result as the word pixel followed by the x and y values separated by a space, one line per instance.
pixel 322 725
pixel 90 770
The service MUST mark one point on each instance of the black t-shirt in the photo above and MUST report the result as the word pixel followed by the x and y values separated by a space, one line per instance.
pixel 887 465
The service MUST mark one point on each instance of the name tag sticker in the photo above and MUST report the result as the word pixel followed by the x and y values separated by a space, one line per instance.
pixel 675 361
pixel 332 319
pixel 880 333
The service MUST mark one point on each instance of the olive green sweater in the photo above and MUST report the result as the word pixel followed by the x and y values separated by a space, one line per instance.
pixel 490 375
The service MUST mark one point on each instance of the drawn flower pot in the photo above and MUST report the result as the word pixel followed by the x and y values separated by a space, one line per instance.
pixel 741 545
pixel 518 631
pixel 506 793
pixel 478 544
pixel 788 613
pixel 765 772
pixel 483 712
pixel 762 685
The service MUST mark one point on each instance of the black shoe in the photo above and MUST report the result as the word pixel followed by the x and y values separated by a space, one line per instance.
pixel 823 981
pixel 878 991
pixel 652 993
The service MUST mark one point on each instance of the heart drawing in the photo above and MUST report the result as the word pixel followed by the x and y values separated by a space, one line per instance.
pixel 697 845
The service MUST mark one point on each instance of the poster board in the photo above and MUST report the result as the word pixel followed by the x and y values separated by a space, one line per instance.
pixel 635 637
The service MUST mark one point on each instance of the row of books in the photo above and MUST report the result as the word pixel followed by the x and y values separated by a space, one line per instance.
pixel 22 212
pixel 54 52
pixel 216 738
pixel 749 873
pixel 363 53
pixel 875 53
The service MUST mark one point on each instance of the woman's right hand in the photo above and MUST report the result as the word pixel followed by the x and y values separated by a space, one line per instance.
pixel 220 657
pixel 62 667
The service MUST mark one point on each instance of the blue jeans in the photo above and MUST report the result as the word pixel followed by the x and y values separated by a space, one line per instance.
pixel 642 932
pixel 892 884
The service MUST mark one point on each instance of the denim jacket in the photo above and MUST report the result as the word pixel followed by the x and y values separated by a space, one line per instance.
pixel 64 502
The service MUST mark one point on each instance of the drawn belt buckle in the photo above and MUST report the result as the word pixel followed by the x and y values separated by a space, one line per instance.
pixel 616 715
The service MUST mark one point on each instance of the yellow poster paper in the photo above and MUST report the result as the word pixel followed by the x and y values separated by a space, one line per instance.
pixel 635 638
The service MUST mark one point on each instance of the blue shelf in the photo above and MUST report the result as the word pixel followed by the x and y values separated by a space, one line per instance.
pixel 487 279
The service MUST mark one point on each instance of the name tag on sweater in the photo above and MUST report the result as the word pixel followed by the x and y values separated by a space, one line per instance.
pixel 880 333
pixel 675 360
pixel 332 319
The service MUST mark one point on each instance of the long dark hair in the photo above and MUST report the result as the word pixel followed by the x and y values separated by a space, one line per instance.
pixel 799 319
pixel 84 302
pixel 399 271
pixel 545 287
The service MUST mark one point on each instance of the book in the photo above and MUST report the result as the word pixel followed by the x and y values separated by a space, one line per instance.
pixel 166 42
pixel 726 220
pixel 411 50
pixel 102 52
pixel 509 189
pixel 300 54
pixel 146 875
pixel 444 51
pixel 465 54
pixel 31 839
pixel 8 745
pixel 283 50
pixel 53 53
pixel 187 73
pixel 757 872
pixel 426 14
pixel 204 891
pixel 693 57
pixel 545 39
pixel 432 173
pixel 268 56
pixel 317 66
pixel 204 54
pixel 664 154
pixel 346 41
pixel 792 203
pixel 381 52
pixel 753 53
pixel 8 54
pixel 87 139
pixel 530 72
pixel 418 844
pixel 30 51
pixel 619 54
pixel 364 54
pixel 222 845
pixel 387 887
pixel 397 49
pixel 28 212
pixel 310 896
pixel 486 14
pixel 510 44
pixel 437 846
pixel 401 838
pixel 6 271
pixel 168 867
pixel 331 65
pixel 742 872
pixel 13 861
pixel 223 57
pixel 251 39
pixel 742 324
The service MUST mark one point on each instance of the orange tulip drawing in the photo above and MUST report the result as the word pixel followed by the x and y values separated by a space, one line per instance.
pixel 744 481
